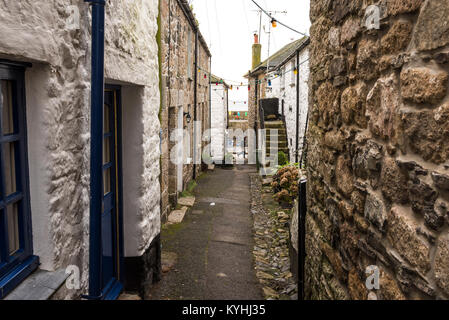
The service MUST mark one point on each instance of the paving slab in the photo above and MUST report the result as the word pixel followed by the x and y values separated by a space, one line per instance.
pixel 214 248
pixel 186 201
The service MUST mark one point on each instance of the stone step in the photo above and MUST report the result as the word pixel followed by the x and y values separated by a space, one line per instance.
pixel 186 201
pixel 281 144
pixel 274 124
pixel 273 130
pixel 176 216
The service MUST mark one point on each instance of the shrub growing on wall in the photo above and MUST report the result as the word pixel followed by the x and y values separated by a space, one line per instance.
pixel 285 185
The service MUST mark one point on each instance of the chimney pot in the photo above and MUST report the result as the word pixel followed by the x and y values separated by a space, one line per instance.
pixel 256 38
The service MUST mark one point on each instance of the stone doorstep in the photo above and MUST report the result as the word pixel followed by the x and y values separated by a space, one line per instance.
pixel 176 216
pixel 40 285
pixel 186 201
pixel 129 296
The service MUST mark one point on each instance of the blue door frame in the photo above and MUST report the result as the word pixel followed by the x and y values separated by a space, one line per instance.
pixel 111 215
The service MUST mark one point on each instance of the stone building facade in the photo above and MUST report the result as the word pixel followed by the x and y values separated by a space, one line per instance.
pixel 47 44
pixel 186 62
pixel 378 157
pixel 292 99
pixel 282 84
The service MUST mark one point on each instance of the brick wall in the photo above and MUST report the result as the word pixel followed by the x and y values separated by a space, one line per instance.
pixel 378 189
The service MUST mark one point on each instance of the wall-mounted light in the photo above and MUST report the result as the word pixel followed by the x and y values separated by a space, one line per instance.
pixel 274 23
pixel 188 117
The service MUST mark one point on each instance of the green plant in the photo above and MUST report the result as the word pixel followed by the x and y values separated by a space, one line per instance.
pixel 282 158
pixel 285 184
pixel 188 192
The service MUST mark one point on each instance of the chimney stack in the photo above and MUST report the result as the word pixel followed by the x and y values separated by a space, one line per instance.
pixel 257 51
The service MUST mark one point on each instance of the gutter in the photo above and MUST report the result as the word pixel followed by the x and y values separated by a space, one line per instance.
pixel 96 148
pixel 192 21
pixel 297 106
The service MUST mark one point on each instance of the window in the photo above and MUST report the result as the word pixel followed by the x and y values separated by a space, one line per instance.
pixel 189 54
pixel 16 260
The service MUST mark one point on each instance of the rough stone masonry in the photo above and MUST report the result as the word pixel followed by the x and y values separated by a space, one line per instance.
pixel 378 151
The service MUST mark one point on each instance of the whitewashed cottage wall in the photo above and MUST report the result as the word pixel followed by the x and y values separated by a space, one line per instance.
pixel 58 112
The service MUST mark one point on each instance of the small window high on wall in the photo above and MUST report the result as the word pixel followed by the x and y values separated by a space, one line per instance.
pixel 16 259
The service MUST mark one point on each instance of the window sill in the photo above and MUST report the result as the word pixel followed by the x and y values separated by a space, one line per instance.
pixel 40 285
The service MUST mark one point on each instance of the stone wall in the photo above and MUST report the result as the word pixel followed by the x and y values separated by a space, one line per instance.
pixel 378 155
pixel 178 74
pixel 58 114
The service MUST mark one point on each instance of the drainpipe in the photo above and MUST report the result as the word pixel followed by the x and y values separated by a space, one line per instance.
pixel 195 84
pixel 96 147
pixel 256 123
pixel 297 107
pixel 210 103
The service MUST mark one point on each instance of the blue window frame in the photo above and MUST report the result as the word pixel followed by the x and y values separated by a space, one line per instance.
pixel 16 249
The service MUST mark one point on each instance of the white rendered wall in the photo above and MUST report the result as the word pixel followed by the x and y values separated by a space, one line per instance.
pixel 288 93
pixel 219 119
pixel 58 120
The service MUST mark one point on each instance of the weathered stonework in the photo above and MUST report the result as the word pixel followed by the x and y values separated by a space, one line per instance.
pixel 179 72
pixel 377 147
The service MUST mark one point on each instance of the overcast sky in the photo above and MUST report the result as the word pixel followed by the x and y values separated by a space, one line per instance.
pixel 228 27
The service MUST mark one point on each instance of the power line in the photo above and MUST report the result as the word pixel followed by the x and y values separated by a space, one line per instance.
pixel 246 15
pixel 272 18
pixel 270 76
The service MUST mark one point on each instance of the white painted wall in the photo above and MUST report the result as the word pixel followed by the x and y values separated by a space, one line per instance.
pixel 219 121
pixel 284 88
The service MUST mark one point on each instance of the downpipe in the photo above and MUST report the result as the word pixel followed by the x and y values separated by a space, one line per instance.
pixel 96 147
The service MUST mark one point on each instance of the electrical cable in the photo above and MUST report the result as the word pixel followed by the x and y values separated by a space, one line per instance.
pixel 273 18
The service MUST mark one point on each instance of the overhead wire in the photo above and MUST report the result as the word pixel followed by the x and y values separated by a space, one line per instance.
pixel 273 18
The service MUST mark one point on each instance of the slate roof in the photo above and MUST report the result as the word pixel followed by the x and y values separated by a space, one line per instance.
pixel 215 79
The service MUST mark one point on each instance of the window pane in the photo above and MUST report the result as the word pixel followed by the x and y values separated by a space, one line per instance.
pixel 106 150
pixel 13 228
pixel 107 181
pixel 7 110
pixel 10 168
pixel 106 127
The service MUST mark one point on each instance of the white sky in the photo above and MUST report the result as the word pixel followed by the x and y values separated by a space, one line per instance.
pixel 228 27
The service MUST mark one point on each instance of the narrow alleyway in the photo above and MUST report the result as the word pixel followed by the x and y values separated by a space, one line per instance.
pixel 214 243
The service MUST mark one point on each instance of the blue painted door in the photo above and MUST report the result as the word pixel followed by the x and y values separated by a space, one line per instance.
pixel 111 222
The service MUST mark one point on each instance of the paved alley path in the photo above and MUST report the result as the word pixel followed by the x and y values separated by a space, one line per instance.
pixel 214 243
